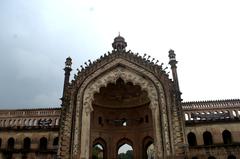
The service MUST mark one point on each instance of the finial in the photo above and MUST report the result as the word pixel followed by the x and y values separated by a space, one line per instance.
pixel 171 54
pixel 68 62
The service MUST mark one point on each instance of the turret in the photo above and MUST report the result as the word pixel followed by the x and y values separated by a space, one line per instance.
pixel 173 62
pixel 67 70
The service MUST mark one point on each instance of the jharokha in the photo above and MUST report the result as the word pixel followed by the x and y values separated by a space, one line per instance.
pixel 123 106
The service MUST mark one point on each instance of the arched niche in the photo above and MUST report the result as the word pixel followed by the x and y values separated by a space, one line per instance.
pixel 227 137
pixel 192 140
pixel 27 143
pixel 129 73
pixel 207 138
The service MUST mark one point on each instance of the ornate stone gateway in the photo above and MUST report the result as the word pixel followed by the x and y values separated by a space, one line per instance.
pixel 121 98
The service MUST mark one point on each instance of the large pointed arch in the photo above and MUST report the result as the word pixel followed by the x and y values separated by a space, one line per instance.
pixel 129 72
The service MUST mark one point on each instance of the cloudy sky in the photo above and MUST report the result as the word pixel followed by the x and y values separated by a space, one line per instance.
pixel 36 36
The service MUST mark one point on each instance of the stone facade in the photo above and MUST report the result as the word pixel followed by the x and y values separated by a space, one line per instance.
pixel 123 98
pixel 31 133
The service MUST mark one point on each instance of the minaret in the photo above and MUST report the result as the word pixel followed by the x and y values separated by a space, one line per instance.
pixel 173 62
pixel 67 70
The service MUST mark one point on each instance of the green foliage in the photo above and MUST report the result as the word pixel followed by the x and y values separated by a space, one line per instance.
pixel 127 155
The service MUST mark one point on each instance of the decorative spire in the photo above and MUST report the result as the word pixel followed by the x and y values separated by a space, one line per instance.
pixel 173 62
pixel 119 43
pixel 68 62
pixel 172 58
pixel 67 70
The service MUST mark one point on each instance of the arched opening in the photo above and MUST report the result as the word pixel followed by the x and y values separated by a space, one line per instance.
pixel 231 157
pixel 148 148
pixel 192 141
pixel 118 103
pixel 27 143
pixel 207 138
pixel 227 137
pixel 55 142
pixel 43 144
pixel 0 142
pixel 11 143
pixel 125 151
pixel 99 150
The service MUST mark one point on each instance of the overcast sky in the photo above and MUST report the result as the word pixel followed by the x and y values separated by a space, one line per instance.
pixel 36 36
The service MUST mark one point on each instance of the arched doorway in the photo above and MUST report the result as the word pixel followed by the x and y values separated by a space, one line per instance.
pixel 191 137
pixel 207 138
pixel 125 152
pixel 27 144
pixel 227 137
pixel 43 142
pixel 124 149
pixel 10 143
pixel 148 148
pixel 99 149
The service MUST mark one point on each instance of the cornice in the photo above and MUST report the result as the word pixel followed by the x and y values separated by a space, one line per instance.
pixel 211 104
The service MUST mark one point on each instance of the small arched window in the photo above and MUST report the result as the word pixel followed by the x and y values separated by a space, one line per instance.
pixel 55 141
pixel 207 138
pixel 27 143
pixel 11 143
pixel 227 137
pixel 191 139
pixel 43 143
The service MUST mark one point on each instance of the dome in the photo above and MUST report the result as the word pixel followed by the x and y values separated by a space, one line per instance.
pixel 119 43
pixel 119 39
